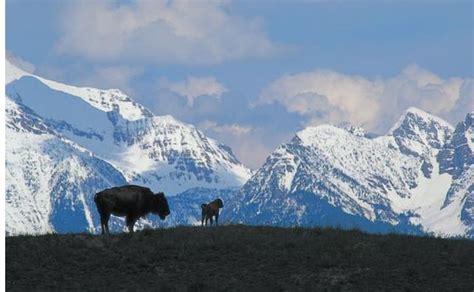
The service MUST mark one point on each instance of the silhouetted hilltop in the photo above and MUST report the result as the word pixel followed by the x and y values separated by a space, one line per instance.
pixel 239 258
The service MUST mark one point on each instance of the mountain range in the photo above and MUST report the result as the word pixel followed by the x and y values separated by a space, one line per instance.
pixel 418 178
pixel 65 143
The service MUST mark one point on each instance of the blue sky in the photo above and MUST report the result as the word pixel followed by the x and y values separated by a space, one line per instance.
pixel 252 73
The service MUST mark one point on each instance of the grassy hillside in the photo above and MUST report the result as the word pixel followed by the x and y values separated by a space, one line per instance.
pixel 238 258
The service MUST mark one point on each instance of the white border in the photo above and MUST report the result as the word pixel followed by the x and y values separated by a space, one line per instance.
pixel 2 152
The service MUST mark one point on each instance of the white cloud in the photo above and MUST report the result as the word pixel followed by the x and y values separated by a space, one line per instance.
pixel 194 87
pixel 111 77
pixel 249 144
pixel 231 129
pixel 196 32
pixel 19 62
pixel 327 96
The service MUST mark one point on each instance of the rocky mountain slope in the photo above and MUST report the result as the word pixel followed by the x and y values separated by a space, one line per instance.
pixel 65 143
pixel 418 178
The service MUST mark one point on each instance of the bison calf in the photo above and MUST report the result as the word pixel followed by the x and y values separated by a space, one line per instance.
pixel 211 210
pixel 130 201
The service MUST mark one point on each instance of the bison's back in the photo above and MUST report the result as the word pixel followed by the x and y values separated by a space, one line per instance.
pixel 209 209
pixel 122 200
pixel 128 189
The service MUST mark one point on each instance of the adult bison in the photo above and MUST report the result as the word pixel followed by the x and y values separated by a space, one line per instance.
pixel 211 210
pixel 130 201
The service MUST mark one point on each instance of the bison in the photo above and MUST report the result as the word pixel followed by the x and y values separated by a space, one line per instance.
pixel 211 210
pixel 130 201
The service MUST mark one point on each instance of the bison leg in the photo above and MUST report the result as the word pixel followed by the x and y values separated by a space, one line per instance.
pixel 217 219
pixel 104 223
pixel 130 220
pixel 211 220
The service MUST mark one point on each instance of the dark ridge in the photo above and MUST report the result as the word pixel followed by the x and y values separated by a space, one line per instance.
pixel 239 258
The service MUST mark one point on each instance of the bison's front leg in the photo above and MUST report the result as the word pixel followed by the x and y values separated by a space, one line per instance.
pixel 104 222
pixel 130 221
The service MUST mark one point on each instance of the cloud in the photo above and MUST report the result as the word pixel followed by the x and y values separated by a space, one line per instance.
pixel 249 144
pixel 188 32
pixel 327 96
pixel 194 87
pixel 19 62
pixel 232 129
pixel 111 77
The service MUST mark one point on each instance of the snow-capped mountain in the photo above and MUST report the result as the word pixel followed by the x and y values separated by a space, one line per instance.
pixel 65 143
pixel 457 159
pixel 50 181
pixel 157 151
pixel 328 175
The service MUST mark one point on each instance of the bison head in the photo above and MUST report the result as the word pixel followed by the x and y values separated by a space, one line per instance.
pixel 160 205
pixel 219 203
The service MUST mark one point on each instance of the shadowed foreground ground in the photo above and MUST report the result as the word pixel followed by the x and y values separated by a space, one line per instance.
pixel 239 258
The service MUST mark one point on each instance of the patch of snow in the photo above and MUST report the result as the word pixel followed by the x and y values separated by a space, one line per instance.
pixel 427 201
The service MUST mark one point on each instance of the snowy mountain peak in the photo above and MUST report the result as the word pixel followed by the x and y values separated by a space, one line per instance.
pixel 317 134
pixel 328 176
pixel 65 143
pixel 458 154
pixel 415 115
pixel 420 134
pixel 354 129
pixel 358 131
pixel 103 99
pixel 158 151
pixel 419 112
pixel 470 116
pixel 469 124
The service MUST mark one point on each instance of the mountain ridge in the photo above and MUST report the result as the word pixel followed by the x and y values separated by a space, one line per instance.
pixel 66 143
pixel 384 183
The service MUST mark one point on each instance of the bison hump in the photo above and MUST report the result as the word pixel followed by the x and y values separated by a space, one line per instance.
pixel 135 188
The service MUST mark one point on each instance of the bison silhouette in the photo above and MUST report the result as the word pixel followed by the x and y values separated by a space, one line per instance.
pixel 211 210
pixel 130 201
